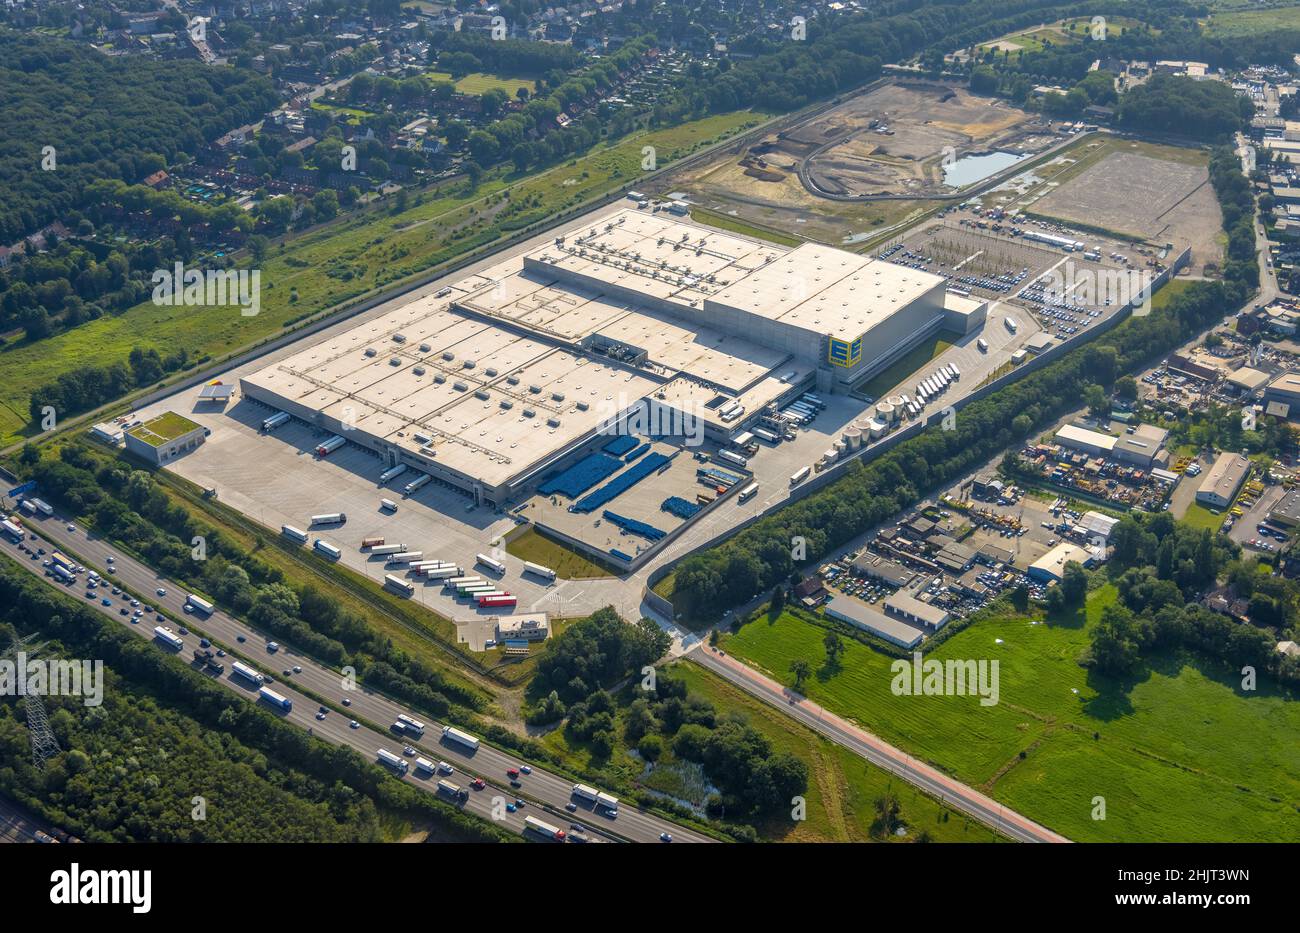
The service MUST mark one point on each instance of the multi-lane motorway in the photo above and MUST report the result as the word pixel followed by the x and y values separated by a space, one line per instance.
pixel 541 790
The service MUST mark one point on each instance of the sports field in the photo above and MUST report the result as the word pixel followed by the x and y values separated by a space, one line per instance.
pixel 1177 753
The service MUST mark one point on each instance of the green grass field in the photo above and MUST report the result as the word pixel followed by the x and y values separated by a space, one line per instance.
pixel 1180 754
pixel 481 83
pixel 906 364
pixel 361 254
pixel 1236 23
pixel 567 564
pixel 842 788
pixel 1198 516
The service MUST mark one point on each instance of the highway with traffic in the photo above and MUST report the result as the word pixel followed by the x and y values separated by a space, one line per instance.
pixel 311 685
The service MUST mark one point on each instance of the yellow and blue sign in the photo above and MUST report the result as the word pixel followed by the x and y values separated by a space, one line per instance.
pixel 844 352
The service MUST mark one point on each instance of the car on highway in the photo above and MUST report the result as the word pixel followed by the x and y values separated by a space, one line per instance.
pixel 322 710
pixel 220 652
pixel 90 594
pixel 354 724
pixel 183 630
pixel 241 639
pixel 110 558
pixel 577 827
pixel 72 528
pixel 524 769
pixel 665 837
pixel 123 611
pixel 444 768
pixel 571 807
pixel 347 702
pixel 519 801
pixel 160 617
pixel 320 715
pixel 272 646
pixel 297 669
pixel 287 672
pixel 204 643
pixel 512 772
pixel 478 783
pixel 160 591
pixel 408 751
pixel 106 601
pixel 511 808
pixel 515 783
pixel 112 569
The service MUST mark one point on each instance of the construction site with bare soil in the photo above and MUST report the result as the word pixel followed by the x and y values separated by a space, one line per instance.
pixel 856 170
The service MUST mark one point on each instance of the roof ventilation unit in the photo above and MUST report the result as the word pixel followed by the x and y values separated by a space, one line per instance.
pixel 460 387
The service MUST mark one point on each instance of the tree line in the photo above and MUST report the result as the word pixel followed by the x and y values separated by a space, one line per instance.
pixel 129 769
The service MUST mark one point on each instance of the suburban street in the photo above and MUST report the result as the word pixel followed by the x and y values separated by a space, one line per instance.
pixel 841 732
pixel 369 708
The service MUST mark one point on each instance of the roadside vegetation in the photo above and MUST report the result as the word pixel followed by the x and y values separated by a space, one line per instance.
pixel 129 769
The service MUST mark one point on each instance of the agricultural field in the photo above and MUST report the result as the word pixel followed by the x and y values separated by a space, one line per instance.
pixel 842 792
pixel 1178 752
pixel 360 255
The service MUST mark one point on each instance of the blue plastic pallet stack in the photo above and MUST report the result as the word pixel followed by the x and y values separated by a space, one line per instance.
pixel 676 505
pixel 580 477
pixel 620 484
pixel 639 452
pixel 620 445
pixel 633 525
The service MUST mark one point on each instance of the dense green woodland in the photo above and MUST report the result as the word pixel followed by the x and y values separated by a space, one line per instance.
pixel 759 557
pixel 122 117
pixel 582 667
pixel 129 769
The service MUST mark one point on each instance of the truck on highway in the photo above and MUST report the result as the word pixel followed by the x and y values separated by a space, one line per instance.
pixel 13 530
pixel 273 422
pixel 329 518
pixel 63 573
pixel 538 570
pixel 452 734
pixel 43 507
pixel 409 725
pixel 543 829
pixel 246 672
pixel 275 699
pixel 396 762
pixel 199 603
pixel 62 560
pixel 168 638
pixel 392 473
pixel 609 803
pixel 425 765
pixel 291 532
pixel 597 798
pixel 454 791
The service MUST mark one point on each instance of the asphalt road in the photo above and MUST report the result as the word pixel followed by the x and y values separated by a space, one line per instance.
pixel 541 789
pixel 874 750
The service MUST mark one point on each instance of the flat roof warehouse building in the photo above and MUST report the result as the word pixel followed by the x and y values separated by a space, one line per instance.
pixel 489 388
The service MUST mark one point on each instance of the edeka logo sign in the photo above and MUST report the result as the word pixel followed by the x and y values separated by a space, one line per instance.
pixel 844 353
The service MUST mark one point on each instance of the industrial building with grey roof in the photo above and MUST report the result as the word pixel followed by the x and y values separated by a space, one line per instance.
pixel 490 384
